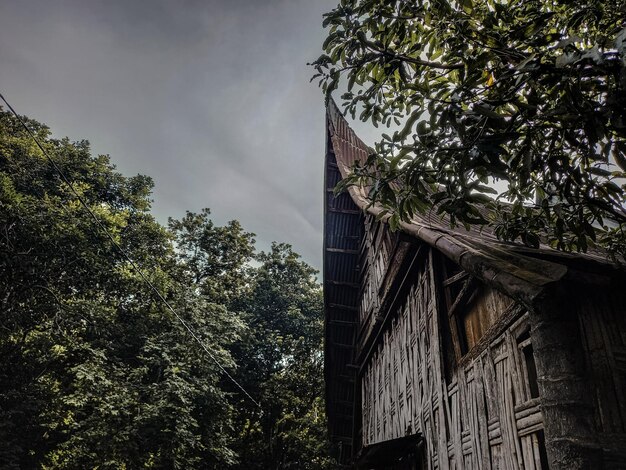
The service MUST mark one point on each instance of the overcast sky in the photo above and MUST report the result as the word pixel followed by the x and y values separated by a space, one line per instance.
pixel 211 98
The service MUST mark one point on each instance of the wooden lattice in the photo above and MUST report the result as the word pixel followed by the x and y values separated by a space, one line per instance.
pixel 484 418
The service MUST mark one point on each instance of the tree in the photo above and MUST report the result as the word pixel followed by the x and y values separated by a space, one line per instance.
pixel 281 361
pixel 526 92
pixel 94 371
pixel 279 353
pixel 216 258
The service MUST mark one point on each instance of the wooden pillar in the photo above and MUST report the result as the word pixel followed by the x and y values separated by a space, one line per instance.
pixel 566 397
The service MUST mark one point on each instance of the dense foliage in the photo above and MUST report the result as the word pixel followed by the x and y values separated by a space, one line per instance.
pixel 530 93
pixel 278 355
pixel 281 362
pixel 96 373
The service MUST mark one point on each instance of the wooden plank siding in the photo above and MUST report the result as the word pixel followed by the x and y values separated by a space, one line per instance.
pixel 485 416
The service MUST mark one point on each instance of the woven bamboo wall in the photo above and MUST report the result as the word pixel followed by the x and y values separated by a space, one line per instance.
pixel 376 251
pixel 483 417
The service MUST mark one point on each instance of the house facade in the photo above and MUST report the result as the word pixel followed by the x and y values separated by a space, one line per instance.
pixel 449 349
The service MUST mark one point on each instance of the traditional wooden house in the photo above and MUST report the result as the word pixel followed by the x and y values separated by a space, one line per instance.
pixel 448 349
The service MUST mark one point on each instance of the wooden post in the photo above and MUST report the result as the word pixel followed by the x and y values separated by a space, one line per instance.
pixel 566 398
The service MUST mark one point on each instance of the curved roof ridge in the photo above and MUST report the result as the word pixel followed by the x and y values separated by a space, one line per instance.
pixel 520 272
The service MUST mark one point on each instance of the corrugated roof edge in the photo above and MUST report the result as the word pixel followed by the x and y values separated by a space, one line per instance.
pixel 521 272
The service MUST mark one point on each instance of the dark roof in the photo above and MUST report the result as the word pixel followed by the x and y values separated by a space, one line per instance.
pixel 343 230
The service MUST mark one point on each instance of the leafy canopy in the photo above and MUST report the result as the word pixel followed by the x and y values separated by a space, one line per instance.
pixel 96 373
pixel 280 360
pixel 529 93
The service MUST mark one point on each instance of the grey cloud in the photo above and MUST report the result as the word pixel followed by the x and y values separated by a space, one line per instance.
pixel 210 98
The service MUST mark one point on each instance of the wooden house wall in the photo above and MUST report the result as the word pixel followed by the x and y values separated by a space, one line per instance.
pixel 484 414
pixel 392 368
pixel 377 249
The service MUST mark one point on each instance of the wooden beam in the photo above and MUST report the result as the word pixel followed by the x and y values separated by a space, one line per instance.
pixel 342 323
pixel 468 291
pixel 342 250
pixel 343 283
pixel 344 307
pixel 344 211
pixel 455 278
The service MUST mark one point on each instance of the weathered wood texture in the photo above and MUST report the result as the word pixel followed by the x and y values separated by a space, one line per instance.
pixel 602 317
pixel 486 417
pixel 377 251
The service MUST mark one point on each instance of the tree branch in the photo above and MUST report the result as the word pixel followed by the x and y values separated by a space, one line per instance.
pixel 426 63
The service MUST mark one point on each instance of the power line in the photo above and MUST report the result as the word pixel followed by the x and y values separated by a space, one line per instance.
pixel 125 254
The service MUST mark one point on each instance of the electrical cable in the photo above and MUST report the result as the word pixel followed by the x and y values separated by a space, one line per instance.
pixel 126 255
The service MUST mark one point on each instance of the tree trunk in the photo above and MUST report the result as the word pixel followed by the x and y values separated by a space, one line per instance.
pixel 566 398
